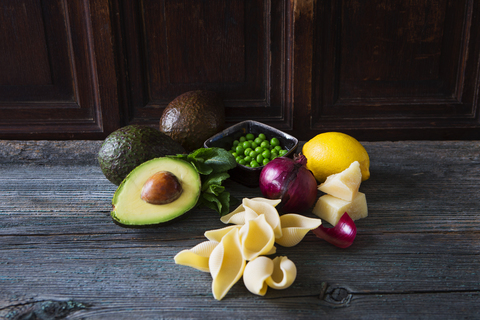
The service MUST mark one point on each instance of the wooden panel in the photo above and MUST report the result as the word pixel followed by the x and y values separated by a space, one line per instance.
pixel 414 257
pixel 237 47
pixel 391 69
pixel 49 82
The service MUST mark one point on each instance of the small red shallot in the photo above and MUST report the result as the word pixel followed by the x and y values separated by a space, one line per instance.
pixel 341 235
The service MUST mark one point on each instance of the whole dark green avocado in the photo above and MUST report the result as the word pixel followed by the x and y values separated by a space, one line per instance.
pixel 126 148
pixel 193 117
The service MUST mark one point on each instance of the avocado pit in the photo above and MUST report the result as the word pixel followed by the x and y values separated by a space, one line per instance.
pixel 161 188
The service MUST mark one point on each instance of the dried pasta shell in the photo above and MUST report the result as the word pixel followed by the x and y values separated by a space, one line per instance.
pixel 237 216
pixel 197 257
pixel 284 273
pixel 256 208
pixel 217 234
pixel 272 202
pixel 295 227
pixel 272 251
pixel 256 238
pixel 226 264
pixel 256 273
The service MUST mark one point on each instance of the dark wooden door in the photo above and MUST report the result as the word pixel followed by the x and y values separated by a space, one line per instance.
pixel 241 49
pixel 57 75
pixel 388 70
pixel 379 70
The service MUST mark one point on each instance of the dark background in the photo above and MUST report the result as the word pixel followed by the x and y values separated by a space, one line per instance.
pixel 379 70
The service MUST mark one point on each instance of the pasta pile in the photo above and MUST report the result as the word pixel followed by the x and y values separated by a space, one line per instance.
pixel 255 228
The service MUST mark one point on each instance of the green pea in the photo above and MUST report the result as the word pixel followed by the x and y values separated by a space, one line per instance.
pixel 262 136
pixel 234 154
pixel 240 149
pixel 259 158
pixel 254 164
pixel 250 136
pixel 265 161
pixel 242 139
pixel 247 151
pixel 238 158
pixel 258 149
pixel 258 140
pixel 282 152
pixel 253 154
pixel 247 144
pixel 274 142
pixel 265 144
pixel 248 158
pixel 278 148
pixel 254 144
pixel 242 162
pixel 267 154
pixel 235 143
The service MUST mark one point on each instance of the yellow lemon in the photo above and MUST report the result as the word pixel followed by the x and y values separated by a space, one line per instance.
pixel 332 152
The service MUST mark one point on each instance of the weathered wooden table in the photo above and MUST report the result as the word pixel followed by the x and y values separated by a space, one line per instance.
pixel 415 256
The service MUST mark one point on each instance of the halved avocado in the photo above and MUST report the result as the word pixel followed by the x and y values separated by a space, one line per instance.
pixel 156 192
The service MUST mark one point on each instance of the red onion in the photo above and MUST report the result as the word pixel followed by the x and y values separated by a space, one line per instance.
pixel 342 235
pixel 289 180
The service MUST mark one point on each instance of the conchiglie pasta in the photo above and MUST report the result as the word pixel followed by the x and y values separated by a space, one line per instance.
pixel 256 228
pixel 294 228
pixel 256 273
pixel 272 202
pixel 284 273
pixel 237 216
pixel 256 208
pixel 256 238
pixel 217 234
pixel 226 264
pixel 197 257
pixel 262 272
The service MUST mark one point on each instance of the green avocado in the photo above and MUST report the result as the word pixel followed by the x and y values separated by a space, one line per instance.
pixel 130 146
pixel 155 192
pixel 193 117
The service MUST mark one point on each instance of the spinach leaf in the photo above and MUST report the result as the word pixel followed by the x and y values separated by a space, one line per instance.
pixel 212 164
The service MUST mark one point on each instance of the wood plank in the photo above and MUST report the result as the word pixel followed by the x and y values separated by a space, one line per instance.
pixel 416 255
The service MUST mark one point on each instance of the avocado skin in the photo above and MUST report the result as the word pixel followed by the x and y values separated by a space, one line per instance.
pixel 130 146
pixel 193 117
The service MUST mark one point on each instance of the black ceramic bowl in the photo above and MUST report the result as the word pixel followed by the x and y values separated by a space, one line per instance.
pixel 243 174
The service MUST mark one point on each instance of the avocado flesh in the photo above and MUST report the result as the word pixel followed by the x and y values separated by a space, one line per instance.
pixel 130 210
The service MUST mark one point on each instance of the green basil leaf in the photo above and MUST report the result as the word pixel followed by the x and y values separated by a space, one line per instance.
pixel 214 179
pixel 211 201
pixel 212 164
pixel 221 160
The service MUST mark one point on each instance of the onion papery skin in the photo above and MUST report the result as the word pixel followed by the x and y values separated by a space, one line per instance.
pixel 289 180
pixel 341 235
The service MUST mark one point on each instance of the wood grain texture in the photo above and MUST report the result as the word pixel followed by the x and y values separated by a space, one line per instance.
pixel 415 256
pixel 387 70
pixel 58 70
pixel 241 49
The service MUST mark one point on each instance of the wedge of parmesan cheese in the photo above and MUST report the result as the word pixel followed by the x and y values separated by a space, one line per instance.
pixel 331 209
pixel 345 184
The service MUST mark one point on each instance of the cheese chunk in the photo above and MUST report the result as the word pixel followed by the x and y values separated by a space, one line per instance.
pixel 331 209
pixel 343 185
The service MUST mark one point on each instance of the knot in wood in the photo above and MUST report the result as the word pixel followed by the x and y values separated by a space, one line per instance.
pixel 337 297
